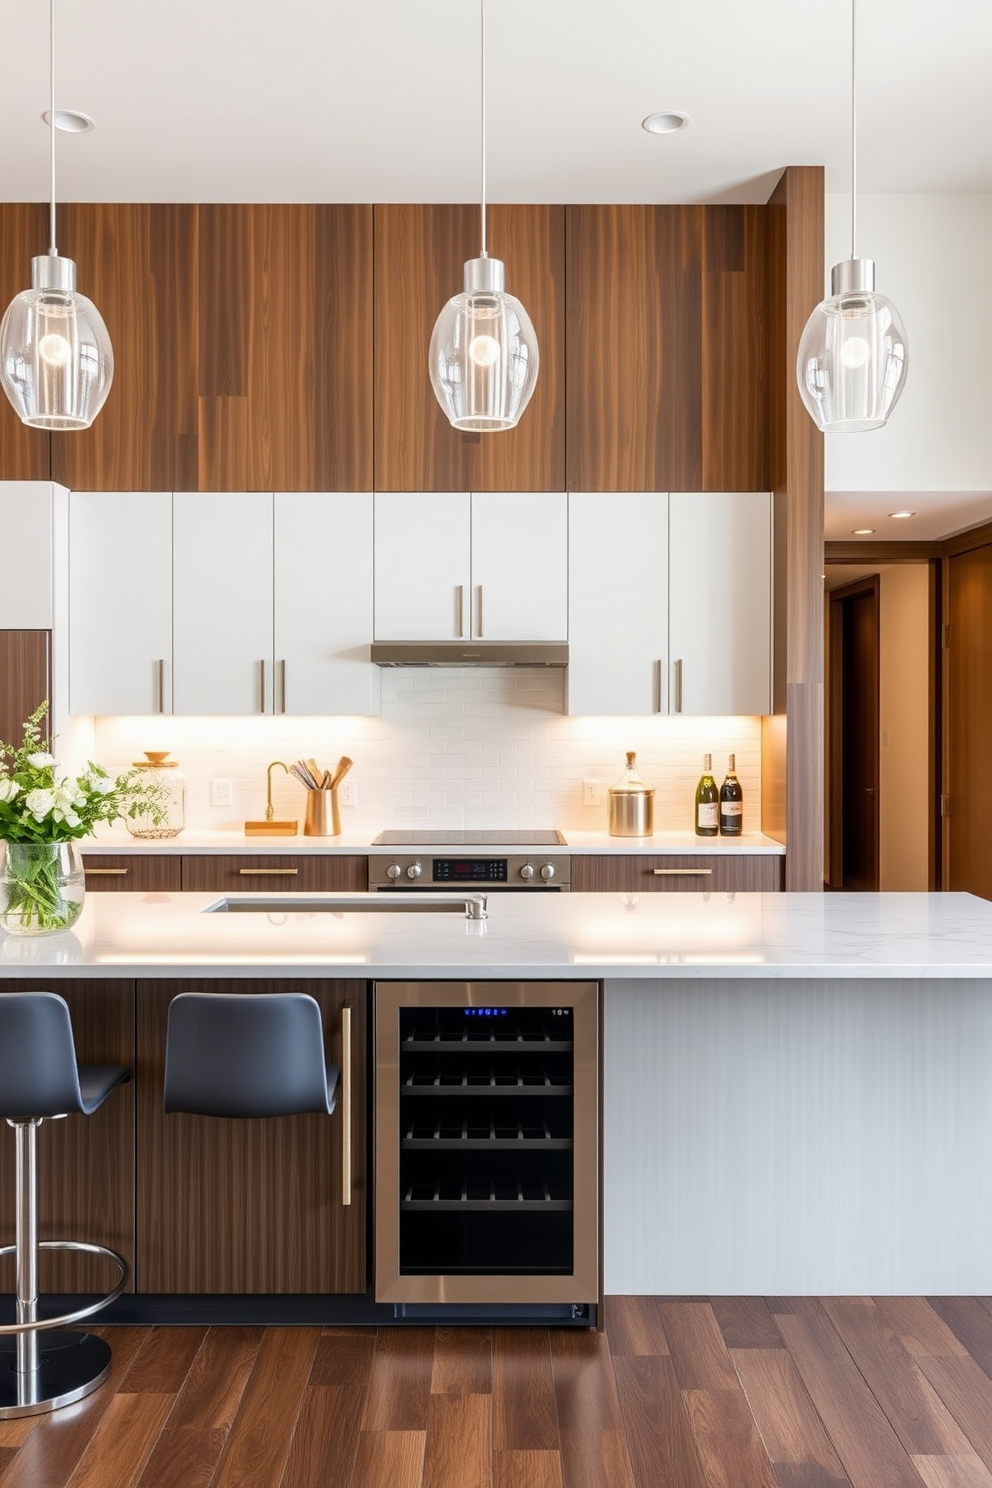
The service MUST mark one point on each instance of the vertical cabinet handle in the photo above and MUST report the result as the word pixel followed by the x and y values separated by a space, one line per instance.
pixel 659 691
pixel 282 679
pixel 677 665
pixel 460 611
pixel 346 1106
pixel 480 630
pixel 161 684
pixel 261 685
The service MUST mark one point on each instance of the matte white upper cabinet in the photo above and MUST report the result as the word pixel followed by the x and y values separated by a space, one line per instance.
pixel 221 603
pixel 120 602
pixel 618 603
pixel 482 566
pixel 26 590
pixel 670 605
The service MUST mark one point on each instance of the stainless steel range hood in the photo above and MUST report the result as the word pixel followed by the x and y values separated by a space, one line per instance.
pixel 470 653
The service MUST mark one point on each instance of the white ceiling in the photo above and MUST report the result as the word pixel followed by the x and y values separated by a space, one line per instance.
pixel 246 100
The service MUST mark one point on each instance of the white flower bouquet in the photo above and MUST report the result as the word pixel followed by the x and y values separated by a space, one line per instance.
pixel 40 811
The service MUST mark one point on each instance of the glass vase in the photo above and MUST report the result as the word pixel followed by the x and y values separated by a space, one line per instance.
pixel 42 885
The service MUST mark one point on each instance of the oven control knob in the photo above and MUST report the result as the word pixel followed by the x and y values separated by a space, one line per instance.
pixel 394 870
pixel 527 871
pixel 548 871
pixel 414 870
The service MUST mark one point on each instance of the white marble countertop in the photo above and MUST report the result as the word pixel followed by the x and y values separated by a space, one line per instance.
pixel 606 936
pixel 349 843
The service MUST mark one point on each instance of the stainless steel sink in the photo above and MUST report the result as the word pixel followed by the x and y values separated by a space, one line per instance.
pixel 472 906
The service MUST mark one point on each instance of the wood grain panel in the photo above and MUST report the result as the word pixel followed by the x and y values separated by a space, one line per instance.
pixel 666 353
pixel 746 1323
pixel 524 1411
pixel 25 454
pixel 699 1354
pixel 463 1362
pixel 25 678
pixel 136 263
pixel 257 1452
pixel 211 1395
pixel 183 1459
pixel 108 873
pixel 419 254
pixel 326 1439
pixel 606 873
pixel 122 1443
pixel 966 1390
pixel 660 1442
pixel 458 1449
pixel 792 1432
pixel 633 1326
pixel 207 873
pixel 880 552
pixel 85 1163
pixel 399 1388
pixel 968 721
pixel 248 1206
pixel 727 1439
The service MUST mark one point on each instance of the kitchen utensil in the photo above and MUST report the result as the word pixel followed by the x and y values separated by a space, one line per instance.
pixel 315 771
pixel 303 775
pixel 631 803
pixel 322 818
pixel 344 765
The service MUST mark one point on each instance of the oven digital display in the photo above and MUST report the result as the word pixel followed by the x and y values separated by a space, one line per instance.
pixel 470 870
pixel 485 1012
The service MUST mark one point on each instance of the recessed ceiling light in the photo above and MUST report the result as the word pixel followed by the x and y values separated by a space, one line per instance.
pixel 902 514
pixel 669 123
pixel 862 531
pixel 69 121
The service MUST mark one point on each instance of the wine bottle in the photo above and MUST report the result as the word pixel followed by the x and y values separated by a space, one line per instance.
pixel 707 801
pixel 731 804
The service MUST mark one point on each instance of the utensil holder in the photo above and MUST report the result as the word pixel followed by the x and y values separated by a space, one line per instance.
pixel 323 817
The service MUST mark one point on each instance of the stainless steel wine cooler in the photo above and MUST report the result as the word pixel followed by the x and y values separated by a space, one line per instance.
pixel 487 1142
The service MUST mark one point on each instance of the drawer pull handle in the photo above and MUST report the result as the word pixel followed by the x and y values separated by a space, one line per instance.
pixel 346 1105
pixel 260 872
pixel 698 872
pixel 109 872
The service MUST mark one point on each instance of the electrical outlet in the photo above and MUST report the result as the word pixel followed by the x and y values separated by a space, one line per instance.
pixel 592 793
pixel 348 792
pixel 222 792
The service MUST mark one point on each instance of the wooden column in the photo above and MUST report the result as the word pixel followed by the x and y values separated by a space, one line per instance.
pixel 792 738
pixel 25 454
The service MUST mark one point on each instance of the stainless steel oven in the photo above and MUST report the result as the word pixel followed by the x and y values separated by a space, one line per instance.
pixel 474 860
pixel 487 1143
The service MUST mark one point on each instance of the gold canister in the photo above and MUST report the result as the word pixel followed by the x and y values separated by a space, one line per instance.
pixel 631 803
pixel 322 819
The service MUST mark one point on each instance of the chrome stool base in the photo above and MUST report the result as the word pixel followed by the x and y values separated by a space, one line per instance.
pixel 69 1367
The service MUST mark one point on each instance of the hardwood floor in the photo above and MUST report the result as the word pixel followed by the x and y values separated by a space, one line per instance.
pixel 724 1392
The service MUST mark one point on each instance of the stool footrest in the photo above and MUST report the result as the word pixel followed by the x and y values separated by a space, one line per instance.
pixel 83 1312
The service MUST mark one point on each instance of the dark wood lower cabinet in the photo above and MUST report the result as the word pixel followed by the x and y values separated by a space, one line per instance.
pixel 147 873
pixel 207 873
pixel 85 1163
pixel 608 873
pixel 25 679
pixel 249 1207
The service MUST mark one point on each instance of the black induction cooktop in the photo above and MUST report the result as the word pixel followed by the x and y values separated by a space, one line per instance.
pixel 407 837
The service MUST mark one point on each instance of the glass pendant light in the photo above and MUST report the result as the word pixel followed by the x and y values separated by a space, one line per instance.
pixel 483 357
pixel 852 360
pixel 56 360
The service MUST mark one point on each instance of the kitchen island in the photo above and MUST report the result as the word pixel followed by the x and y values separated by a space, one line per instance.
pixel 796 1087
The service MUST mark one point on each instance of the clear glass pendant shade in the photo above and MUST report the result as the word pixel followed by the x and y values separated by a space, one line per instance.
pixel 852 360
pixel 483 357
pixel 56 359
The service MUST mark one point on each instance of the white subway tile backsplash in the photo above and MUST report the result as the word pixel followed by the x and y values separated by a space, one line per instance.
pixel 472 748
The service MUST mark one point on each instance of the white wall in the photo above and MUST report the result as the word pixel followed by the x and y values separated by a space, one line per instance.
pixel 932 255
pixel 453 748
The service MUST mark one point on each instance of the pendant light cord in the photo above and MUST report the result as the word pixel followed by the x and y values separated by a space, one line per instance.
pixel 53 251
pixel 482 38
pixel 854 132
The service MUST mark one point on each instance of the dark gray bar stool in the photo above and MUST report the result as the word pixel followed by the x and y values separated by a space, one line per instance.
pixel 228 1054
pixel 39 1080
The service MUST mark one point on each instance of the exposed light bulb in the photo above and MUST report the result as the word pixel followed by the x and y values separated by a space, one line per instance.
pixel 854 352
pixel 483 350
pixel 54 349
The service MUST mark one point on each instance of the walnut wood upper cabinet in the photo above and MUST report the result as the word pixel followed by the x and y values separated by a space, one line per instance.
pixel 484 565
pixel 25 454
pixel 242 342
pixel 419 256
pixel 618 873
pixel 667 354
pixel 265 1206
pixel 25 678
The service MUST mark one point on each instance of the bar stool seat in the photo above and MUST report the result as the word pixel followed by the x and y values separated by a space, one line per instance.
pixel 235 1055
pixel 41 1368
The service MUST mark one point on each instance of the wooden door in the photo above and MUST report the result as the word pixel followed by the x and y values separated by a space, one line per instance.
pixel 519 566
pixel 618 603
pixel 419 255
pixel 250 1206
pixel 323 603
pixel 222 602
pixel 720 602
pixel 854 736
pixel 25 454
pixel 120 602
pixel 423 565
pixel 968 727
pixel 25 679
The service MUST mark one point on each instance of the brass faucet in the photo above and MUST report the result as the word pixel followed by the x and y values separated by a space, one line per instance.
pixel 269 812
